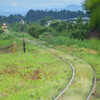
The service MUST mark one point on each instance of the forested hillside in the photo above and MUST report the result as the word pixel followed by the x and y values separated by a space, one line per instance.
pixel 34 15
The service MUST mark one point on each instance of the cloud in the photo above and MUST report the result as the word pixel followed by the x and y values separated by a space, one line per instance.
pixel 71 1
pixel 14 4
pixel 40 3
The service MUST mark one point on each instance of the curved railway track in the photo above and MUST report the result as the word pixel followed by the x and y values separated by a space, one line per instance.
pixel 94 80
pixel 58 97
pixel 89 97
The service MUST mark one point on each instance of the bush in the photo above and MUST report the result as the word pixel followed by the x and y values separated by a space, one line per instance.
pixel 1 30
pixel 59 26
pixel 15 27
pixel 79 34
pixel 63 40
pixel 43 21
pixel 36 30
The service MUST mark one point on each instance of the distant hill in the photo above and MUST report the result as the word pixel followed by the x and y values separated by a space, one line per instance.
pixel 70 7
pixel 74 7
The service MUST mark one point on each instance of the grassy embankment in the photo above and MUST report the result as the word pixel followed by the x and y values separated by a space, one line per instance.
pixel 83 80
pixel 88 50
pixel 38 74
pixel 90 56
pixel 54 71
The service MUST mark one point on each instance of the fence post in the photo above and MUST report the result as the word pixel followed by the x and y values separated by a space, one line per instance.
pixel 14 47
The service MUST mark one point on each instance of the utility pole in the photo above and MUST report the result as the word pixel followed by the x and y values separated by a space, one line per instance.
pixel 21 30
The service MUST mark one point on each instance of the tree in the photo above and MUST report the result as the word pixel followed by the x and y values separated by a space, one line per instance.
pixel 80 24
pixel 43 21
pixel 93 8
pixel 58 25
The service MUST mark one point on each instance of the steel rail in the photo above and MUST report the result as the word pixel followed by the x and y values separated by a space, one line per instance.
pixel 57 98
pixel 89 97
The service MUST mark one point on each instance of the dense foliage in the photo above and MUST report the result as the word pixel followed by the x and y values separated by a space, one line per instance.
pixel 1 31
pixel 11 19
pixel 77 29
pixel 59 26
pixel 37 30
pixel 17 27
pixel 35 15
pixel 93 8
pixel 43 21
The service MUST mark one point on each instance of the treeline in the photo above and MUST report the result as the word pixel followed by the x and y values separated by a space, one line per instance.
pixel 11 19
pixel 35 15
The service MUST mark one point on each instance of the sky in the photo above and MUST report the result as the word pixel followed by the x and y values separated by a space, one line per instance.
pixel 38 4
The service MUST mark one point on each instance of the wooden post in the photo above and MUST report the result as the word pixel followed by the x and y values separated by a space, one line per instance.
pixel 14 47
pixel 92 46
pixel 24 49
pixel 11 43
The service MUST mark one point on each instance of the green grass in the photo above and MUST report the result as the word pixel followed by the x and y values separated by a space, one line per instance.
pixel 38 74
pixel 90 56
pixel 82 83
pixel 94 61
pixel 63 40
pixel 17 72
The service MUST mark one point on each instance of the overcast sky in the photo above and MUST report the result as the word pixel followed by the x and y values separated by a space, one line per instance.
pixel 40 3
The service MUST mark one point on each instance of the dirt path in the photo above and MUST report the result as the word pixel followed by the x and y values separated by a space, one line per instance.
pixel 7 31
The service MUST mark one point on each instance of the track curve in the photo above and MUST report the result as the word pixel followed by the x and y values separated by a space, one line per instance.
pixel 57 98
pixel 94 81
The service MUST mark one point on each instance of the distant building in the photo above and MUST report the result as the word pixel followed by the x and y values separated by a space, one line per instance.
pixel 48 23
pixel 72 20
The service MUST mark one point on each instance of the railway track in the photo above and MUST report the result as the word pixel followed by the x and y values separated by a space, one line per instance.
pixel 58 97
pixel 89 97
pixel 73 76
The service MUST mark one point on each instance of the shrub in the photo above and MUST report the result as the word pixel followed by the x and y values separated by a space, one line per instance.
pixel 63 40
pixel 36 30
pixel 15 27
pixel 43 21
pixel 79 34
pixel 59 26
pixel 32 30
pixel 1 30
